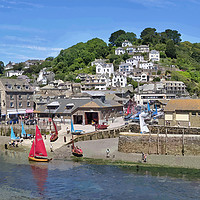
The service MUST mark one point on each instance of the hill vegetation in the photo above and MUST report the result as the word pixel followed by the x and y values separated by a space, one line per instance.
pixel 184 56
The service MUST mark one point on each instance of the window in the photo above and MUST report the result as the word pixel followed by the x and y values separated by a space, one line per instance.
pixel 11 97
pixel 194 113
pixel 18 87
pixel 20 104
pixel 20 97
pixel 11 104
pixel 26 87
pixel 28 96
pixel 9 86
pixel 28 104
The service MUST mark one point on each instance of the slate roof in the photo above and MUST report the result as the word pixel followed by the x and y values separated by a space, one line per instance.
pixel 183 104
pixel 78 103
pixel 13 83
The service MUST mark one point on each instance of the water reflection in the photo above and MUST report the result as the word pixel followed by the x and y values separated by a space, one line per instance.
pixel 40 175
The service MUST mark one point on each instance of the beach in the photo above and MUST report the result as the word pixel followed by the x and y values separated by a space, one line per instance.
pixel 96 149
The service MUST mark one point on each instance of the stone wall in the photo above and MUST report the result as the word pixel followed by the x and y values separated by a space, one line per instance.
pixel 154 144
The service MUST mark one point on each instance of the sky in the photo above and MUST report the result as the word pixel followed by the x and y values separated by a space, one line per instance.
pixel 37 29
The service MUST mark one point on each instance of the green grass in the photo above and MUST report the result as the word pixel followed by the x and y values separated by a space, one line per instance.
pixel 145 168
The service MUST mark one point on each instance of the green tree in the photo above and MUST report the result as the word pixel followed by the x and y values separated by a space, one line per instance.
pixel 131 37
pixel 170 49
pixel 114 36
pixel 149 35
pixel 173 35
pixel 156 79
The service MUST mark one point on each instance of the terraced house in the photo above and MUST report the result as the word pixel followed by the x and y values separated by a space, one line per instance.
pixel 16 97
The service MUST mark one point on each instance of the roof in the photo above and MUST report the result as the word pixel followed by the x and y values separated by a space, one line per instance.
pixel 183 104
pixel 14 83
pixel 78 103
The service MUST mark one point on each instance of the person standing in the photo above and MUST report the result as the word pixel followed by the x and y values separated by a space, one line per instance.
pixel 107 153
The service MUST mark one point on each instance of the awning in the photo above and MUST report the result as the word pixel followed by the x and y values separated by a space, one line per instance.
pixel 12 113
pixel 29 110
pixel 22 111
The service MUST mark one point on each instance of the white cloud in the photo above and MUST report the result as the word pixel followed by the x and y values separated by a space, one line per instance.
pixel 14 4
pixel 18 28
pixel 32 47
pixel 155 3
pixel 22 39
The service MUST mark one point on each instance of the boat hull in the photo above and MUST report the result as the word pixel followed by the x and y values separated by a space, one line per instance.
pixel 77 154
pixel 39 159
pixel 53 138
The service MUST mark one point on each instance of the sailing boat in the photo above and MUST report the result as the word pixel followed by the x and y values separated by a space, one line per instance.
pixel 75 132
pixel 23 133
pixel 38 151
pixel 13 137
pixel 54 137
pixel 76 151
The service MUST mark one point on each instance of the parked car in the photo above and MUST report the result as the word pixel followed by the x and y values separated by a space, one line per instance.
pixel 31 122
pixel 13 121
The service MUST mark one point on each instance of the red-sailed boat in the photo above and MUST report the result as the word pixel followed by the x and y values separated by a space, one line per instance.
pixel 101 126
pixel 76 151
pixel 54 137
pixel 38 151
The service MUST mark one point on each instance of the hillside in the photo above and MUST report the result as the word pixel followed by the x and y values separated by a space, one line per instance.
pixel 77 59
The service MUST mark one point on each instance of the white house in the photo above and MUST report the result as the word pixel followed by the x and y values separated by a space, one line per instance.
pixel 146 65
pixel 154 55
pixel 45 76
pixel 126 43
pixel 98 61
pixel 97 82
pixel 144 77
pixel 13 73
pixel 143 48
pixel 119 80
pixel 9 66
pixel 106 68
pixel 131 50
pixel 138 58
pixel 125 68
pixel 132 61
pixel 120 51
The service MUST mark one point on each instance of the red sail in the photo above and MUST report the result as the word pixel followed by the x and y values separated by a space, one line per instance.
pixel 56 131
pixel 40 149
pixel 31 153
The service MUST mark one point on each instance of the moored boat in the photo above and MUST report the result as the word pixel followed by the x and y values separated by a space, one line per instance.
pixel 38 151
pixel 54 137
pixel 76 151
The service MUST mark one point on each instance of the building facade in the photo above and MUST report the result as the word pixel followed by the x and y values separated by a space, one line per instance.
pixel 183 112
pixel 16 98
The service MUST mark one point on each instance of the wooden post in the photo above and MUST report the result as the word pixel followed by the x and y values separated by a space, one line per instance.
pixel 183 150
pixel 166 141
pixel 158 141
pixel 149 142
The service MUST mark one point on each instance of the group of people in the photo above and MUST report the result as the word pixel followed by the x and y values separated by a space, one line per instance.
pixel 13 143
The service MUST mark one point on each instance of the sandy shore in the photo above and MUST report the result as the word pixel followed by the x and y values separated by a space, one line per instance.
pixel 96 149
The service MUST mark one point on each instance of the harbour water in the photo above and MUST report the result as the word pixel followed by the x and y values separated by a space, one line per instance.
pixel 20 179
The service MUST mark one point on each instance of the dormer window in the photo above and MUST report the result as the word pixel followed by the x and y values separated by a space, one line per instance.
pixel 26 87
pixel 69 106
pixel 18 87
pixel 9 86
pixel 20 97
